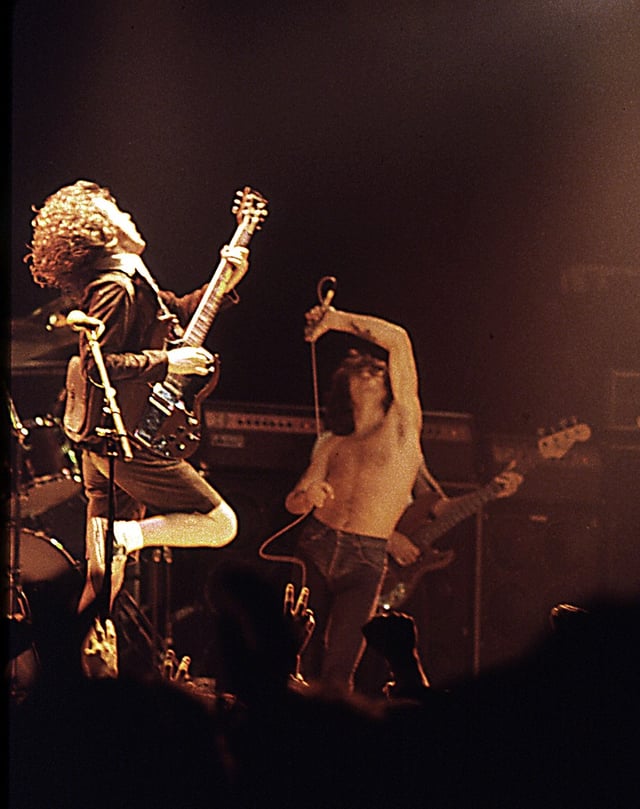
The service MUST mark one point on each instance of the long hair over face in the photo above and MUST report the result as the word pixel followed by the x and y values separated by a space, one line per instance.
pixel 69 234
pixel 338 416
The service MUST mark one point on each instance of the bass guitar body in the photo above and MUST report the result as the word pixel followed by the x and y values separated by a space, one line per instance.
pixel 416 524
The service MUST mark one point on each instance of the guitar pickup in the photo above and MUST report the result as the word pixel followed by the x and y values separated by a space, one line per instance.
pixel 162 398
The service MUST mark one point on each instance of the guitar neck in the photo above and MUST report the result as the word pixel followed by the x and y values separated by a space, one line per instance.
pixel 464 506
pixel 200 323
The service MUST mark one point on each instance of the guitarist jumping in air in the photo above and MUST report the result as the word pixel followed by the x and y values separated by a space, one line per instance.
pixel 84 245
pixel 358 483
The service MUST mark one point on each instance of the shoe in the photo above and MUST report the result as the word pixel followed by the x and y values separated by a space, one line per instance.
pixel 95 551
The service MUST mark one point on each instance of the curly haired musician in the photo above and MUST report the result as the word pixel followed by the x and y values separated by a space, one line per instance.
pixel 358 483
pixel 84 245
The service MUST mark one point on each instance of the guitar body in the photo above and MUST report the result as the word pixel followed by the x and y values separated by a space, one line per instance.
pixel 419 512
pixel 423 528
pixel 401 580
pixel 169 425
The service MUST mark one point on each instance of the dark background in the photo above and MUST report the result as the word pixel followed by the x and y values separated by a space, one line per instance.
pixel 470 170
pixel 454 165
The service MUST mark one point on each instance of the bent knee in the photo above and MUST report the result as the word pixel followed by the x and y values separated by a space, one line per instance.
pixel 226 523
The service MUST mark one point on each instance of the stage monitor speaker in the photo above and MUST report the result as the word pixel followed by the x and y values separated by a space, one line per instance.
pixel 532 559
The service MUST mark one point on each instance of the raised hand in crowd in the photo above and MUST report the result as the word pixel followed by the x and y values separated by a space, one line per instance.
pixel 100 650
pixel 302 622
pixel 394 636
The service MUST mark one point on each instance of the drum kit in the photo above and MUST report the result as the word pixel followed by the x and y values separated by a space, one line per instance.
pixel 45 563
pixel 43 578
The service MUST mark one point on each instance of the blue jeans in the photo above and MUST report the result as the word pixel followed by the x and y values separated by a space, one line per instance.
pixel 344 574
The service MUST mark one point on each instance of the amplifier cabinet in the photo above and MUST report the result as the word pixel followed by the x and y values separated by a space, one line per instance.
pixel 241 435
pixel 450 446
pixel 534 556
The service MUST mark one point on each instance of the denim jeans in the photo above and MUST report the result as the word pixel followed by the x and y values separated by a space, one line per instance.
pixel 344 574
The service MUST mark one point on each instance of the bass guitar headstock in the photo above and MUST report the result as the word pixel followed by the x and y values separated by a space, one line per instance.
pixel 250 208
pixel 558 441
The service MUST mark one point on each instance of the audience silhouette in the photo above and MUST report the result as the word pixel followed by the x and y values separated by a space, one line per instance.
pixel 558 728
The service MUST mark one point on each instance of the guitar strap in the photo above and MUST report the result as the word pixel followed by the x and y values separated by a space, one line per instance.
pixel 426 475
pixel 130 263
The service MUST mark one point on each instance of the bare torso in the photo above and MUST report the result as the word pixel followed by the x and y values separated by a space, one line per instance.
pixel 372 474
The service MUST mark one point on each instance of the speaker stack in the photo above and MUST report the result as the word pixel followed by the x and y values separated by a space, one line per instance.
pixel 513 561
pixel 543 546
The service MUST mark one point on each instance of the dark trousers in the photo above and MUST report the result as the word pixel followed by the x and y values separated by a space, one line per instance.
pixel 161 484
pixel 344 574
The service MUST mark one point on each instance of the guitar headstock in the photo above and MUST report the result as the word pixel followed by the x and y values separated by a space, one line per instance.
pixel 557 442
pixel 250 208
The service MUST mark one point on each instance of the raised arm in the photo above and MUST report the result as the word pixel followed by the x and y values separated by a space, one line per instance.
pixel 403 374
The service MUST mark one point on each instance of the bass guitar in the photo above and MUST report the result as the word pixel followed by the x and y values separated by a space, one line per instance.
pixel 423 528
pixel 168 422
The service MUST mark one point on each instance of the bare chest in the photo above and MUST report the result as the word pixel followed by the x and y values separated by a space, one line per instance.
pixel 375 455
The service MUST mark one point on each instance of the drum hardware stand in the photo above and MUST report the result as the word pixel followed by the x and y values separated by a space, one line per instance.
pixel 162 561
pixel 133 618
pixel 23 655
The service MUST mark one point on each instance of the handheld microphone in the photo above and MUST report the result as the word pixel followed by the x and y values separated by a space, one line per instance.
pixel 326 298
pixel 326 301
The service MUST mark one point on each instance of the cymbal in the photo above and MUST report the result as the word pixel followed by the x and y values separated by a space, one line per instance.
pixel 36 340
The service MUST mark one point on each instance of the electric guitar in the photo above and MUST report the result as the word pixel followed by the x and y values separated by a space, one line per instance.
pixel 424 529
pixel 169 421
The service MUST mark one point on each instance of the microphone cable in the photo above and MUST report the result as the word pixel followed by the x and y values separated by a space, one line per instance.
pixel 325 299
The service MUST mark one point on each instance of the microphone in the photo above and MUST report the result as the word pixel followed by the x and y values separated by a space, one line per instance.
pixel 325 299
pixel 79 322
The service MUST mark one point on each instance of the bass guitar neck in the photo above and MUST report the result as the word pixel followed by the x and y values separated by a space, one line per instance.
pixel 423 528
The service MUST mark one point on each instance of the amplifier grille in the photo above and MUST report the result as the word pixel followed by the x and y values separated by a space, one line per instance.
pixel 280 437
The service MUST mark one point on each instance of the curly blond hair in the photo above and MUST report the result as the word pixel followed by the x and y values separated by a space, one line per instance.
pixel 69 234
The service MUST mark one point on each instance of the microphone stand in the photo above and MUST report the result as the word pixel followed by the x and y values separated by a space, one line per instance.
pixel 116 438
